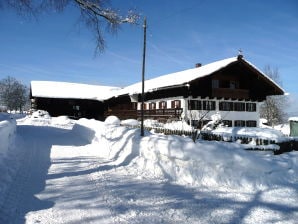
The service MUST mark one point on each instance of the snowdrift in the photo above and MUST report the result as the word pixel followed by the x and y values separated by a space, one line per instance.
pixel 212 164
pixel 7 132
pixel 7 138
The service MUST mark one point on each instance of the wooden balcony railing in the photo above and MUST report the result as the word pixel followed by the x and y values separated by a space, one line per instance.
pixel 162 112
pixel 152 114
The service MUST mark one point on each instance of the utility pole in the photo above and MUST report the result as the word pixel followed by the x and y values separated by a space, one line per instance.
pixel 143 78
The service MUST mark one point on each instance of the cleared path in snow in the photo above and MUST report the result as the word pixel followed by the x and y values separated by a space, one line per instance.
pixel 63 179
pixel 40 192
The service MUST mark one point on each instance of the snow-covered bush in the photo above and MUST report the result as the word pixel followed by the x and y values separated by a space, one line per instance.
pixel 214 123
pixel 41 114
pixel 112 120
pixel 130 122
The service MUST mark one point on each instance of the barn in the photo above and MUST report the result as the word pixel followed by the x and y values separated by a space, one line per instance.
pixel 72 99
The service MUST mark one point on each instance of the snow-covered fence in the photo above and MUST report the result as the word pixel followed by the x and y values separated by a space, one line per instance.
pixel 160 130
pixel 278 146
pixel 238 138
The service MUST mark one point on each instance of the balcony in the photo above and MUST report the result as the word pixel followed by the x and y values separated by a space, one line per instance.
pixel 158 114
pixel 162 113
pixel 230 93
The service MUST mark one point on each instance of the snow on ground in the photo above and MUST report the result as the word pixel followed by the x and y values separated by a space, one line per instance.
pixel 7 150
pixel 88 171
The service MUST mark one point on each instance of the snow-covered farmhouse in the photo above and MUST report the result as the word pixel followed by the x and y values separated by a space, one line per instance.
pixel 233 88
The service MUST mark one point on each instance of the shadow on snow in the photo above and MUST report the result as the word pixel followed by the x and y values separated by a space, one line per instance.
pixel 35 143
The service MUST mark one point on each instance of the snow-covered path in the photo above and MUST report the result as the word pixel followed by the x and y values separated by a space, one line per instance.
pixel 64 179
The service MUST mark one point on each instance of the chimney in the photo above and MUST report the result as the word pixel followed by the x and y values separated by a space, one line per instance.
pixel 240 55
pixel 197 65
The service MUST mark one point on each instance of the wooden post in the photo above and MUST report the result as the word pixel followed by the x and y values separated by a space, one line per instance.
pixel 143 78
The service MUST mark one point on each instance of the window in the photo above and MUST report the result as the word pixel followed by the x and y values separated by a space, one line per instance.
pixel 239 106
pixel 194 105
pixel 144 106
pixel 162 105
pixel 251 107
pixel 239 123
pixel 152 106
pixel 176 104
pixel 251 124
pixel 134 106
pixel 208 105
pixel 234 85
pixel 226 106
pixel 224 84
pixel 227 123
pixel 215 84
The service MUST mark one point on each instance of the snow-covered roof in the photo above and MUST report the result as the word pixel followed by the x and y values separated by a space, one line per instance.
pixel 184 77
pixel 84 91
pixel 51 89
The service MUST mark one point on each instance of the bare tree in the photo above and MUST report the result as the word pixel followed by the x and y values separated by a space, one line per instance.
pixel 13 94
pixel 95 14
pixel 273 109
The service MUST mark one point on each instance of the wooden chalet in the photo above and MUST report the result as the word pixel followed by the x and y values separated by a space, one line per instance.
pixel 233 87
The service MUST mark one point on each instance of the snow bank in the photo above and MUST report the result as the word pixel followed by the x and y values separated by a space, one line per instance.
pixel 43 118
pixel 212 164
pixel 7 132
pixel 112 120
pixel 7 138
pixel 130 122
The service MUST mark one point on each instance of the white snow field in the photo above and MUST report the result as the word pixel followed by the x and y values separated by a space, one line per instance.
pixel 56 170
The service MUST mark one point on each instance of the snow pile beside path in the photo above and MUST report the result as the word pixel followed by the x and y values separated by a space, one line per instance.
pixel 7 139
pixel 213 164
pixel 130 122
pixel 42 118
pixel 7 132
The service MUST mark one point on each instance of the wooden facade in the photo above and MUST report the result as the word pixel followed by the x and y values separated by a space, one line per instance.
pixel 237 82
pixel 74 108
pixel 233 89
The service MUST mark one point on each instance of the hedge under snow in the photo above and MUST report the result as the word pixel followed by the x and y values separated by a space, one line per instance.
pixel 204 163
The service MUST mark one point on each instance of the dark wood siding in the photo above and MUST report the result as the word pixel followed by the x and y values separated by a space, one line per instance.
pixel 74 108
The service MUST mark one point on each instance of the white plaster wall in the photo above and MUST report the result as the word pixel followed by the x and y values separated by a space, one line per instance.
pixel 197 114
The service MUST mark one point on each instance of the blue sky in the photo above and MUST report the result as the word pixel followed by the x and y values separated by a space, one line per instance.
pixel 180 34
